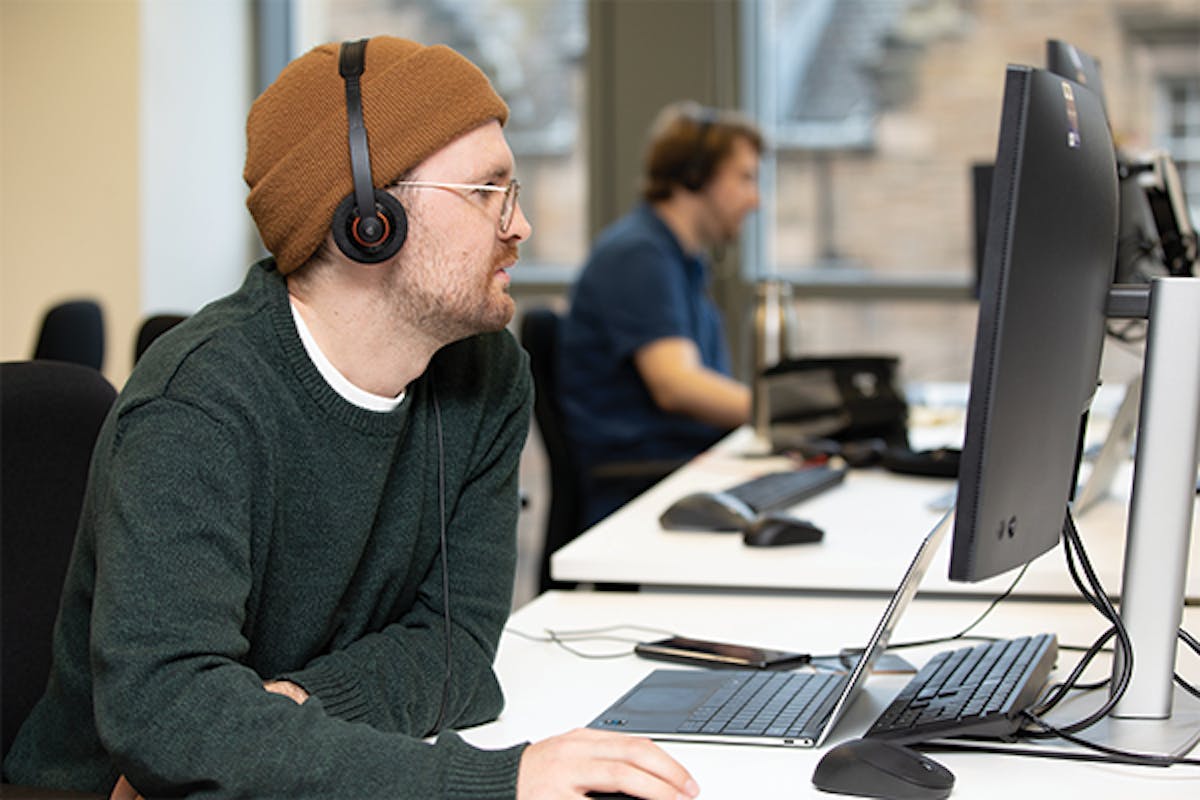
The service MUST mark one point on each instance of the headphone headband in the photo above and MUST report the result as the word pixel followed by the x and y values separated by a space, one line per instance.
pixel 351 63
pixel 698 168
pixel 369 225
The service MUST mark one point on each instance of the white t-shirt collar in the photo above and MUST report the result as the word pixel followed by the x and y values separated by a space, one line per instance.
pixel 336 380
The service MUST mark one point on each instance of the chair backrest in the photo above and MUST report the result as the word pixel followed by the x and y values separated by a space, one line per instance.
pixel 151 328
pixel 539 336
pixel 50 414
pixel 73 331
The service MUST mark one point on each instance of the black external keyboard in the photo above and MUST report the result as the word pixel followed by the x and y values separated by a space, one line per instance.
pixel 975 691
pixel 738 506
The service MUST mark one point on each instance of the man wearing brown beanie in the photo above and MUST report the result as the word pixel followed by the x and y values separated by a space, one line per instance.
pixel 296 554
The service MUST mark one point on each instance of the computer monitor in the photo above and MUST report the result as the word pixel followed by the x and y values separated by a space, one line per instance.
pixel 1156 234
pixel 1045 299
pixel 1137 259
pixel 1134 261
pixel 1067 60
pixel 1047 270
pixel 981 196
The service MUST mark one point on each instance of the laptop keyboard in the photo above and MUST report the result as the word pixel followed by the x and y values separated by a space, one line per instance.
pixel 772 704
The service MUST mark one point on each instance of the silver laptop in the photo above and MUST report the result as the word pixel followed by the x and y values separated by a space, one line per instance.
pixel 797 709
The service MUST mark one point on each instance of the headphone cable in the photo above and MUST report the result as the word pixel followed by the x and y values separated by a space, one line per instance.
pixel 437 414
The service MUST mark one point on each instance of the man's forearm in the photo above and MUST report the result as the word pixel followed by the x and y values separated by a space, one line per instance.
pixel 713 398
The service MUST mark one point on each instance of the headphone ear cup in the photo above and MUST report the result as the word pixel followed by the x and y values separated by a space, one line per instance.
pixel 693 178
pixel 699 167
pixel 354 246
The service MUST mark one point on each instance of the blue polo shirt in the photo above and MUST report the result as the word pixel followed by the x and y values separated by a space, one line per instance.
pixel 638 286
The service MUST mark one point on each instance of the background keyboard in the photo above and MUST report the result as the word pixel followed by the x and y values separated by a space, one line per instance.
pixel 736 507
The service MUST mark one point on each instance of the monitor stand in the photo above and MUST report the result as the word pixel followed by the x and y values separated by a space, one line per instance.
pixel 1154 716
pixel 1174 736
pixel 1162 504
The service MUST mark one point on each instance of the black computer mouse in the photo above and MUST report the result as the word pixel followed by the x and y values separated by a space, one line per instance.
pixel 775 528
pixel 879 768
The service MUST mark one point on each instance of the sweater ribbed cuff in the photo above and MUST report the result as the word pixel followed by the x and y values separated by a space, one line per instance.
pixel 475 774
pixel 341 695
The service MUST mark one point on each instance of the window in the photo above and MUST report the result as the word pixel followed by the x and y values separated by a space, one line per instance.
pixel 879 109
pixel 868 206
pixel 872 156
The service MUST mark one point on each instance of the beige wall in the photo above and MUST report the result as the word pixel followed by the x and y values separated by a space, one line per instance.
pixel 69 168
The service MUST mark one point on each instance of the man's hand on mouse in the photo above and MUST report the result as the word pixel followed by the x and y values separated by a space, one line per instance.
pixel 583 760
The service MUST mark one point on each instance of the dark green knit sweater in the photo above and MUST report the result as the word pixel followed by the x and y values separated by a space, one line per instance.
pixel 243 522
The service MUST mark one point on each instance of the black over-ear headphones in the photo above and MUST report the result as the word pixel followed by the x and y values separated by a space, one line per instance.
pixel 378 234
pixel 699 166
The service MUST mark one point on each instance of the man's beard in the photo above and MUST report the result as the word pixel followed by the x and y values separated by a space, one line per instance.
pixel 719 230
pixel 471 307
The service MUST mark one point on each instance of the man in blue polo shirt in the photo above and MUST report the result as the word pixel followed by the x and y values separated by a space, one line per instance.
pixel 644 366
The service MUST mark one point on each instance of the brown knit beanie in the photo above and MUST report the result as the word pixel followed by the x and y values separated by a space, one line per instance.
pixel 416 100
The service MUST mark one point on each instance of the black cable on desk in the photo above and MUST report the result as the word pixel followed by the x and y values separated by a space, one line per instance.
pixel 1115 757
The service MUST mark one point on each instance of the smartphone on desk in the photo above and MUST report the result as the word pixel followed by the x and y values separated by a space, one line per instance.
pixel 699 652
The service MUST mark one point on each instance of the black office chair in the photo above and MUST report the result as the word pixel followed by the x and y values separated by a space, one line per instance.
pixel 539 335
pixel 72 331
pixel 50 414
pixel 151 328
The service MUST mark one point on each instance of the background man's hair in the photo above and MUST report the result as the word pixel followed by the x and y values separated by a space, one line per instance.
pixel 686 144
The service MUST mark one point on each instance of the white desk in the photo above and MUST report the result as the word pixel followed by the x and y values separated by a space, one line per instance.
pixel 550 691
pixel 873 523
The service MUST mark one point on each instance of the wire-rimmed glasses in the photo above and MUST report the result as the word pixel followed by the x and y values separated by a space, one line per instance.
pixel 507 206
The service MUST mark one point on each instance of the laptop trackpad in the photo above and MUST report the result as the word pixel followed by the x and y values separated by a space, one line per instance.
pixel 664 699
